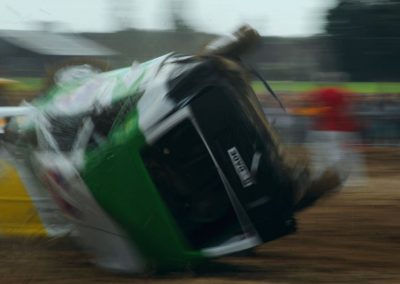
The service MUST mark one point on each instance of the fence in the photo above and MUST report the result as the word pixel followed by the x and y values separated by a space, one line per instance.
pixel 377 127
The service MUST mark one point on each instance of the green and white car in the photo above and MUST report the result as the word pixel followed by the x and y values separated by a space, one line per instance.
pixel 162 164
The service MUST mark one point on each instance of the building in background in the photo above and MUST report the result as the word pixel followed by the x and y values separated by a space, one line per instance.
pixel 29 53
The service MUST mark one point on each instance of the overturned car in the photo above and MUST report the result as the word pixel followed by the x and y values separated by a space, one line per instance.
pixel 165 163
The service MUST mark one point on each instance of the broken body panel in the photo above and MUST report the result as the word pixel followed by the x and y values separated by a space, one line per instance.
pixel 165 163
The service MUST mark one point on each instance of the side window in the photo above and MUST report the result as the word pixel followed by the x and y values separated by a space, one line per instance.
pixel 188 181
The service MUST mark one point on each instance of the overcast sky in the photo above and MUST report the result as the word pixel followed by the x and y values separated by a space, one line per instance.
pixel 270 17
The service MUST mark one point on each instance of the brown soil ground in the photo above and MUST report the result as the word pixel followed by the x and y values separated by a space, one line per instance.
pixel 352 237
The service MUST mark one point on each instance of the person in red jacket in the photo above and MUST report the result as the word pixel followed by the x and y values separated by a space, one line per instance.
pixel 335 110
pixel 334 133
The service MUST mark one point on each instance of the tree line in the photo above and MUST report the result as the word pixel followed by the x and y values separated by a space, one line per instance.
pixel 366 38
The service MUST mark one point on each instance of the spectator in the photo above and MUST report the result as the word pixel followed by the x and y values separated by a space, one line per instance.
pixel 334 133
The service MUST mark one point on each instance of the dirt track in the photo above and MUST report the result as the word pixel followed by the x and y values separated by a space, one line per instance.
pixel 353 237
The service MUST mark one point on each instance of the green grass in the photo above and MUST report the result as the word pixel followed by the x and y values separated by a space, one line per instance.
pixel 35 84
pixel 357 87
pixel 27 84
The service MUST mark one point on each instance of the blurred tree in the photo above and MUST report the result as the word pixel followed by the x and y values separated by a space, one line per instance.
pixel 178 13
pixel 366 36
pixel 122 13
